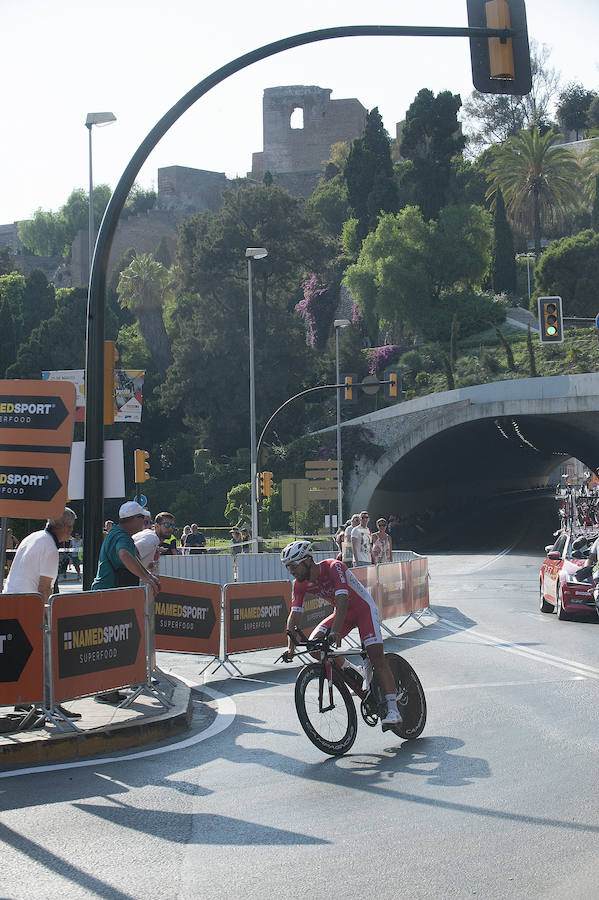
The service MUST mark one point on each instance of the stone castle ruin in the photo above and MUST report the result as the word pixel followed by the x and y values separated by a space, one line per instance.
pixel 300 124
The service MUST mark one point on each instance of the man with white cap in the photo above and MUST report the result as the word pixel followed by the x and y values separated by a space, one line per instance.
pixel 118 565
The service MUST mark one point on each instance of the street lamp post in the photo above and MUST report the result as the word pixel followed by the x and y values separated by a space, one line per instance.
pixel 338 323
pixel 253 253
pixel 97 118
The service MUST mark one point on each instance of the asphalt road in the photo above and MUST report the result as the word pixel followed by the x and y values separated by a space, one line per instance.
pixel 495 800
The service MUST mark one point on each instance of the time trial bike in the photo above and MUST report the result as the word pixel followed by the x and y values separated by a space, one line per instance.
pixel 324 702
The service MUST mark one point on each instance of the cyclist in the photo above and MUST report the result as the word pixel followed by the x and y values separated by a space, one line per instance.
pixel 354 606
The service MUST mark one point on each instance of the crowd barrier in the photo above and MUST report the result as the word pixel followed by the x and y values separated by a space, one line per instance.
pixel 88 642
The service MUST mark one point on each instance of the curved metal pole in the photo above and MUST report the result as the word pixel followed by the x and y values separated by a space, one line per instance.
pixel 94 362
pixel 320 387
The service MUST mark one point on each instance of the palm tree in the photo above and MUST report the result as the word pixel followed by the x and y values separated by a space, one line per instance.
pixel 141 289
pixel 538 179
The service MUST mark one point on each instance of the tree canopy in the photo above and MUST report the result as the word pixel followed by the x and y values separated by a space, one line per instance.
pixel 371 185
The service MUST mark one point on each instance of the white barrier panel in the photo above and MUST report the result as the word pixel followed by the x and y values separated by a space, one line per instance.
pixel 403 555
pixel 252 567
pixel 212 568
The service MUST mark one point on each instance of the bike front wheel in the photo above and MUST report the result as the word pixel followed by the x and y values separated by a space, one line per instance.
pixel 334 730
pixel 411 701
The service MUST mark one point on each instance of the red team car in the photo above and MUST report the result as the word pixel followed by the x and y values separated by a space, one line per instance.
pixel 559 589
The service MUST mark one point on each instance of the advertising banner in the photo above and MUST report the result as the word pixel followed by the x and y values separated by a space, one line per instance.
pixel 367 577
pixel 256 615
pixel 21 649
pixel 315 610
pixel 419 575
pixel 36 431
pixel 394 589
pixel 187 616
pixel 128 392
pixel 98 641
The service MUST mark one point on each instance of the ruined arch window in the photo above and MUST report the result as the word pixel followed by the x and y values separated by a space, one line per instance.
pixel 296 119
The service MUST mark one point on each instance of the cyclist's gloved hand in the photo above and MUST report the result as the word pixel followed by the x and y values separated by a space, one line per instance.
pixel 287 656
pixel 334 639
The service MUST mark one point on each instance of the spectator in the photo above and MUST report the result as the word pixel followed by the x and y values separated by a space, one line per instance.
pixel 381 543
pixel 360 538
pixel 246 539
pixel 148 541
pixel 235 541
pixel 148 520
pixel 76 546
pixel 339 538
pixel 35 567
pixel 348 550
pixel 195 541
pixel 118 566
pixel 108 525
pixel 186 531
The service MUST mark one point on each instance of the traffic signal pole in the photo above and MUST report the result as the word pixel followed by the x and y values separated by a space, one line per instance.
pixel 93 512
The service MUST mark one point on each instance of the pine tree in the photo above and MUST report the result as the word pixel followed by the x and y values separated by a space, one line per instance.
pixel 503 262
pixel 448 371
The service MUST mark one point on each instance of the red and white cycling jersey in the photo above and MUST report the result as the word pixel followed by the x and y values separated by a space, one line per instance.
pixel 335 578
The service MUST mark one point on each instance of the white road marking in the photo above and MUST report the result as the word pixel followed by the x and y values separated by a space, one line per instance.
pixel 225 713
pixel 539 655
pixel 496 684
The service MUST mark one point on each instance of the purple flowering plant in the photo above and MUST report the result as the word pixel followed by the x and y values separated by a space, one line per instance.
pixel 317 309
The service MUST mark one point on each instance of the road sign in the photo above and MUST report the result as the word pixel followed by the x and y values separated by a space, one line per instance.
pixel 597 322
pixel 36 433
pixel 370 384
pixel 294 494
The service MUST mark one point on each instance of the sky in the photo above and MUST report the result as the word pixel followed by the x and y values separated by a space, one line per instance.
pixel 135 58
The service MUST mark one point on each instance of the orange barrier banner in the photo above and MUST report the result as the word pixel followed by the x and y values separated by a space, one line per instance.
pixel 21 649
pixel 394 589
pixel 419 574
pixel 187 616
pixel 367 576
pixel 98 641
pixel 256 615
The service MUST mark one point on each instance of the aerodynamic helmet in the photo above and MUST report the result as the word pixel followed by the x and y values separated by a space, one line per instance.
pixel 295 552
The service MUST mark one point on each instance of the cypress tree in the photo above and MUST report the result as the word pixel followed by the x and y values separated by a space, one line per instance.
pixel 595 211
pixel 532 367
pixel 371 185
pixel 508 350
pixel 503 263
pixel 8 350
pixel 453 340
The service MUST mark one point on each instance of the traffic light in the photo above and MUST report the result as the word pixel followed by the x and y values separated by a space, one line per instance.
pixel 551 330
pixel 393 386
pixel 142 465
pixel 266 486
pixel 111 355
pixel 500 65
pixel 350 391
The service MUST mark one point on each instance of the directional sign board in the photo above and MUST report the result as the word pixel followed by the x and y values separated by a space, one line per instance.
pixel 36 433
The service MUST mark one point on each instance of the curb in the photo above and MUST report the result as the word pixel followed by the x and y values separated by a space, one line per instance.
pixel 27 747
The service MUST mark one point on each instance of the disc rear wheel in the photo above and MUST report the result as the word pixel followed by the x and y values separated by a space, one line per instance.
pixel 411 701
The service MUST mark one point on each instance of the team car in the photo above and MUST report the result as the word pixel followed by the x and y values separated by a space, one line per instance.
pixel 559 589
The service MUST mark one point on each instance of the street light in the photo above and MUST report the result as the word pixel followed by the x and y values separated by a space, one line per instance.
pixel 253 253
pixel 338 323
pixel 96 118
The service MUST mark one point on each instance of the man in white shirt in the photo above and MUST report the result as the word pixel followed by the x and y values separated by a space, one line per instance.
pixel 148 540
pixel 348 551
pixel 35 566
pixel 361 541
